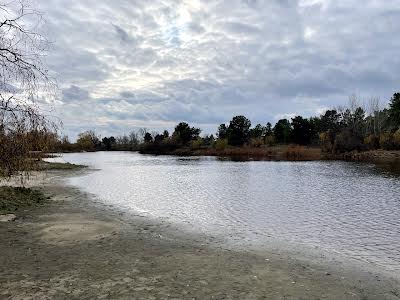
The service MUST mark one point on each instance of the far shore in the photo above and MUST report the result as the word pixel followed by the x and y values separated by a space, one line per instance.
pixel 286 153
pixel 276 153
pixel 74 247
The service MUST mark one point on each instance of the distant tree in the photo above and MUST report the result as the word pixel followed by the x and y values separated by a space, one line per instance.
pixel 239 131
pixel 158 138
pixel 394 110
pixel 148 137
pixel 268 129
pixel 282 131
pixel 133 139
pixel 315 123
pixel 301 131
pixel 88 141
pixel 222 131
pixel 208 140
pixel 141 133
pixel 269 135
pixel 122 140
pixel 329 121
pixel 108 142
pixel 359 122
pixel 184 133
pixel 166 134
pixel 257 132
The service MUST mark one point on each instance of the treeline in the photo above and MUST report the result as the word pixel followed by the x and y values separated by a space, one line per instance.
pixel 336 131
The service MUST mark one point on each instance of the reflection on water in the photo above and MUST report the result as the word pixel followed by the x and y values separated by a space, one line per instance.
pixel 342 207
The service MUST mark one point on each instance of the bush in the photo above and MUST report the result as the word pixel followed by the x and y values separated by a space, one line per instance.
pixel 346 141
pixel 386 141
pixel 14 198
pixel 256 142
pixel 396 139
pixel 269 140
pixel 196 144
pixel 221 144
pixel 372 142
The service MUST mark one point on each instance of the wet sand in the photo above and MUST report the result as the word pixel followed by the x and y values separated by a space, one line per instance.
pixel 76 248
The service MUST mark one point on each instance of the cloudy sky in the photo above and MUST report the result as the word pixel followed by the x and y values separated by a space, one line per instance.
pixel 125 64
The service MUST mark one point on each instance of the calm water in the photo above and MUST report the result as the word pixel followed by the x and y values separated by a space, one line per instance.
pixel 340 207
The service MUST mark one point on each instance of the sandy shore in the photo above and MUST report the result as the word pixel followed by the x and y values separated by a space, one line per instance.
pixel 76 248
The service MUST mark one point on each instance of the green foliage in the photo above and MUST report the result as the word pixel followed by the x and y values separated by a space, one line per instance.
pixel 302 131
pixel 336 131
pixel 208 140
pixel 14 198
pixel 396 139
pixel 166 134
pixel 282 131
pixel 394 110
pixel 386 141
pixel 184 133
pixel 371 142
pixel 108 142
pixel 258 131
pixel 268 129
pixel 222 131
pixel 221 144
pixel 346 141
pixel 148 137
pixel 197 143
pixel 328 121
pixel 239 131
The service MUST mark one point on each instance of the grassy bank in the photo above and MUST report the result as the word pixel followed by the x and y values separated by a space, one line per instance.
pixel 44 165
pixel 16 198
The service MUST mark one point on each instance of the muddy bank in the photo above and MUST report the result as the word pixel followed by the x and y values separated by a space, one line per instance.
pixel 76 248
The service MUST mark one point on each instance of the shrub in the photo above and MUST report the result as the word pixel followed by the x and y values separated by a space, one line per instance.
pixel 221 144
pixel 326 142
pixel 396 139
pixel 386 141
pixel 256 142
pixel 346 141
pixel 197 143
pixel 269 140
pixel 372 141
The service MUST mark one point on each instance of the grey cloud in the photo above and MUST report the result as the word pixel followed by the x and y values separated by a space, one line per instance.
pixel 239 28
pixel 166 61
pixel 75 93
pixel 123 35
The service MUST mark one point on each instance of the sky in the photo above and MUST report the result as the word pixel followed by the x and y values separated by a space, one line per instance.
pixel 125 64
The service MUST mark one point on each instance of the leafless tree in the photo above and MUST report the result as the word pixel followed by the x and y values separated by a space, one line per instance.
pixel 374 109
pixel 24 82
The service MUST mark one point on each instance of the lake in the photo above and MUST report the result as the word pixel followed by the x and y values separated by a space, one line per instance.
pixel 349 209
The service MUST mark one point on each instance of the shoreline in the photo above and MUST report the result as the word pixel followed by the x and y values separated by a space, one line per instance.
pixel 277 153
pixel 75 246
